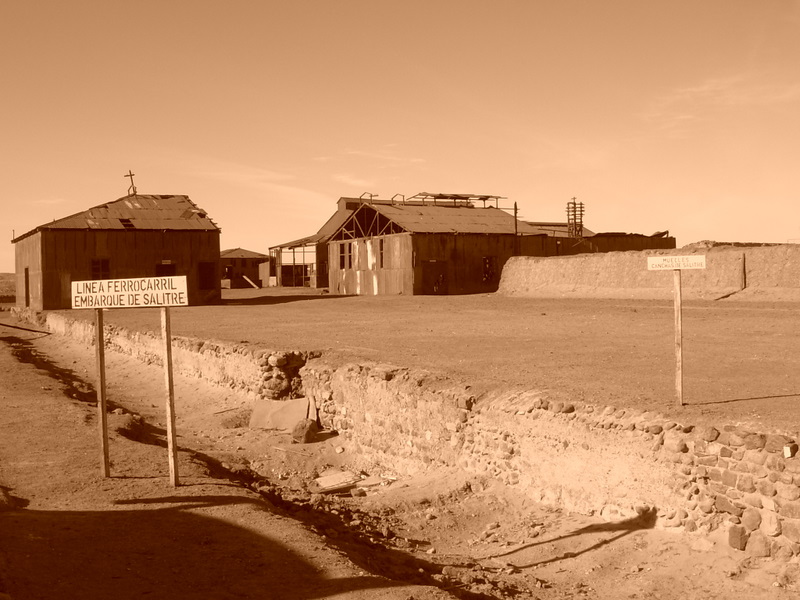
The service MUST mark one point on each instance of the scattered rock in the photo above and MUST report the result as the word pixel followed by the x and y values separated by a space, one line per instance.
pixel 305 431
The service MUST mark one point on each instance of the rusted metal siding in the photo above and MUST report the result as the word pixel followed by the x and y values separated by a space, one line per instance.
pixel 365 275
pixel 460 263
pixel 66 256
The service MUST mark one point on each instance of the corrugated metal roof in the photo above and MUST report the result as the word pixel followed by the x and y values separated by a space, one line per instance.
pixel 452 219
pixel 147 212
pixel 241 253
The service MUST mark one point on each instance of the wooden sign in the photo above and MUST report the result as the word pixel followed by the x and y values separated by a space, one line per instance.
pixel 130 293
pixel 676 264
pixel 139 292
pixel 669 263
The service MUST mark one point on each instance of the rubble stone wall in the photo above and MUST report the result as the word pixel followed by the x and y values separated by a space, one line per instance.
pixel 258 372
pixel 580 457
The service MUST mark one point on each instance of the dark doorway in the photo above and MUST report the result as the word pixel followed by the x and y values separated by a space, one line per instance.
pixel 434 277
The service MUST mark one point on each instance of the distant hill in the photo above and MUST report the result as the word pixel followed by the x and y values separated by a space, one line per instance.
pixel 8 287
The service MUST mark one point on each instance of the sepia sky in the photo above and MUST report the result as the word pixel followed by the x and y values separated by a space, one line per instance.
pixel 657 114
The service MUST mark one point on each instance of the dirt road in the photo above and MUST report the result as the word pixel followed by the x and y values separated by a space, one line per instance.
pixel 72 534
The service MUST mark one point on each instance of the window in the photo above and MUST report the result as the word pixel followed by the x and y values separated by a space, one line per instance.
pixel 380 253
pixel 127 224
pixel 207 272
pixel 100 268
pixel 346 255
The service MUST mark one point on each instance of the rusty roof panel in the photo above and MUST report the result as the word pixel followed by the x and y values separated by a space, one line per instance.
pixel 452 219
pixel 143 212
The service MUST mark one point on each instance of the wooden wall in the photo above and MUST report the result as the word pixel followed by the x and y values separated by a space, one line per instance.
pixel 28 255
pixel 66 256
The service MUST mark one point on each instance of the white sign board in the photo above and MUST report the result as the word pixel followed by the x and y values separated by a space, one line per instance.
pixel 669 263
pixel 130 293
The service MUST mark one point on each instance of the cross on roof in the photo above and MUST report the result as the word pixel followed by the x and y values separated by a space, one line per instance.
pixel 132 187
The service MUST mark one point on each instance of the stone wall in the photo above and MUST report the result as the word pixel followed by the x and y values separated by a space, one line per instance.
pixel 576 456
pixel 252 370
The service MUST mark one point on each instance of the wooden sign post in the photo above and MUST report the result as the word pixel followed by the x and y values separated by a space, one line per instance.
pixel 676 264
pixel 141 292
pixel 102 413
pixel 172 446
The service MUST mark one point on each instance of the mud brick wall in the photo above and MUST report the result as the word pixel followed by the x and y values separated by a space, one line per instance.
pixel 625 275
pixel 594 460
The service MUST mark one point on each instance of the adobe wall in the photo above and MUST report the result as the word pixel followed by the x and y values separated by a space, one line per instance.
pixel 744 272
pixel 576 456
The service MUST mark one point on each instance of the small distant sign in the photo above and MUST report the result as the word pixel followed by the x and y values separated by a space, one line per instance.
pixel 130 293
pixel 670 263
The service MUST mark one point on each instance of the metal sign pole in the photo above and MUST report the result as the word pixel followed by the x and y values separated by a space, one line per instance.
pixel 678 336
pixel 172 447
pixel 102 415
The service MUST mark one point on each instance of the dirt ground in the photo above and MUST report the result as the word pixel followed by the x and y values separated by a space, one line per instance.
pixel 245 523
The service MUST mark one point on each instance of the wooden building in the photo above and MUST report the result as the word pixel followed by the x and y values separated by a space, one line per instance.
pixel 445 244
pixel 304 262
pixel 242 268
pixel 135 236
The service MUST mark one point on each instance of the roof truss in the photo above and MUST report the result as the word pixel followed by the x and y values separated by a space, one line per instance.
pixel 366 222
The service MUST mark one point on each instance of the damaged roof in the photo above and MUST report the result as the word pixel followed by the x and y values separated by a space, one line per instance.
pixel 557 229
pixel 453 219
pixel 143 212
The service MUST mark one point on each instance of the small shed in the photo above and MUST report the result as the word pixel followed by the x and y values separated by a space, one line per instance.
pixel 242 268
pixel 135 236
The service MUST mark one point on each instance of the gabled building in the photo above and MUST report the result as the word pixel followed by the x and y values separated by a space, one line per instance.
pixel 243 268
pixel 447 244
pixel 447 247
pixel 135 236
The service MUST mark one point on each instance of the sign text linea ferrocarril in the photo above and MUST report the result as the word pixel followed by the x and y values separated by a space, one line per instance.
pixel 138 292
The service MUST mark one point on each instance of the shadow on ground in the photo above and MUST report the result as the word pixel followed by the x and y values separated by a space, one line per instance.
pixel 157 553
pixel 272 299
pixel 646 520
